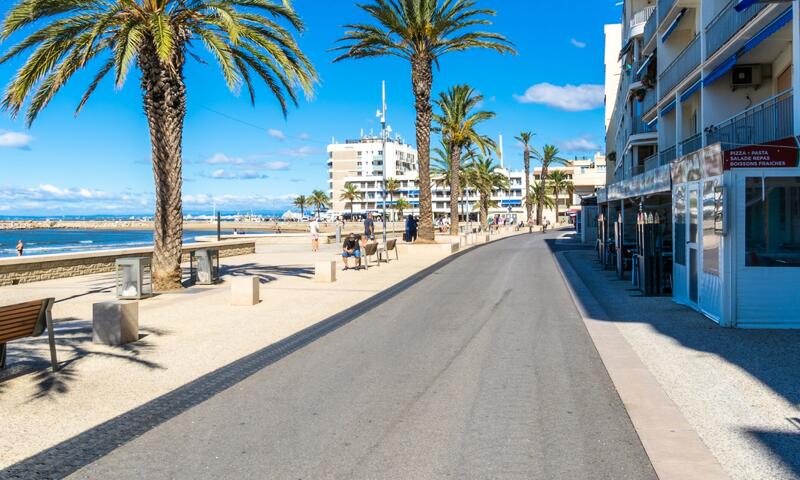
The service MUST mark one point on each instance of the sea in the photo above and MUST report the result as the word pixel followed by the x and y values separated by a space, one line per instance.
pixel 46 241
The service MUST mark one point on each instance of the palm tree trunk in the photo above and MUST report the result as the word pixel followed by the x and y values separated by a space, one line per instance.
pixel 455 188
pixel 164 99
pixel 542 193
pixel 422 81
pixel 556 205
pixel 484 211
pixel 528 205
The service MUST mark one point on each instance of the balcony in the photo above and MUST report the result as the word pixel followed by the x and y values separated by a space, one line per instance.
pixel 640 126
pixel 727 23
pixel 638 21
pixel 649 101
pixel 667 155
pixel 681 67
pixel 664 7
pixel 691 144
pixel 650 29
pixel 766 122
pixel 651 162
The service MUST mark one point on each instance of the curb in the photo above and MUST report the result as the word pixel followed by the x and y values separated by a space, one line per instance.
pixel 674 448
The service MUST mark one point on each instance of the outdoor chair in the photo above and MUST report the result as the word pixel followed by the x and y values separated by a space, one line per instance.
pixel 370 250
pixel 384 250
pixel 29 319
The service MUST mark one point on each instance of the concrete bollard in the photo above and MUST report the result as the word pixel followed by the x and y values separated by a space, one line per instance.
pixel 325 272
pixel 115 323
pixel 245 291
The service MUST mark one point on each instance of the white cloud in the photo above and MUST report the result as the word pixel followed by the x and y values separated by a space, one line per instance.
pixel 580 145
pixel 222 159
pixel 222 174
pixel 568 97
pixel 48 197
pixel 14 139
pixel 275 133
pixel 233 202
pixel 276 166
pixel 577 43
pixel 304 136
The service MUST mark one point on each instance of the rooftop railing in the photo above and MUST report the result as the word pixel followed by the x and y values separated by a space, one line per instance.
pixel 681 67
pixel 664 6
pixel 727 23
pixel 768 121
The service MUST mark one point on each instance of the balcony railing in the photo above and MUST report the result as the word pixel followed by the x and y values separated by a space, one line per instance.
pixel 649 100
pixel 640 126
pixel 642 16
pixel 681 67
pixel 692 144
pixel 766 122
pixel 667 155
pixel 651 162
pixel 664 6
pixel 650 28
pixel 727 23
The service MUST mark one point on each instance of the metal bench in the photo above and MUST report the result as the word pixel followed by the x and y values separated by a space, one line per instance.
pixel 390 245
pixel 29 319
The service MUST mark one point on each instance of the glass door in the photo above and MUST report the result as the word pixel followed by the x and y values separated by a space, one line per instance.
pixel 693 241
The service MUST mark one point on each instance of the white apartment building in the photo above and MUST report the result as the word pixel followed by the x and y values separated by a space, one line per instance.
pixel 360 162
pixel 703 199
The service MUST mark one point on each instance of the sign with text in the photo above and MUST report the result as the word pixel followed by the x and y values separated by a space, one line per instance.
pixel 780 154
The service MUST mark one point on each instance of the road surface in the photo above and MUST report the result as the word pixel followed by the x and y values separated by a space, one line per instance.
pixel 481 370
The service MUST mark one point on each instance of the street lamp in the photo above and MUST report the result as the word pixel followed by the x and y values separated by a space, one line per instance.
pixel 384 132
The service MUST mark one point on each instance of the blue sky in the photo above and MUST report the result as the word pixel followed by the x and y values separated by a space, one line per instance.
pixel 246 157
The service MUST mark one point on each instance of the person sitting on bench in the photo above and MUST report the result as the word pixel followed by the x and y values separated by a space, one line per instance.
pixel 351 248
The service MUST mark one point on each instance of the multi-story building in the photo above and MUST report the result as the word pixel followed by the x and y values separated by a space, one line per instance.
pixel 702 150
pixel 360 162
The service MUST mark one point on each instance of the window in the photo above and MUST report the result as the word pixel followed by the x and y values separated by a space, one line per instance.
pixel 679 214
pixel 711 240
pixel 772 222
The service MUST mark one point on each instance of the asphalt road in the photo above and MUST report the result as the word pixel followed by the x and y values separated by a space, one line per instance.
pixel 482 370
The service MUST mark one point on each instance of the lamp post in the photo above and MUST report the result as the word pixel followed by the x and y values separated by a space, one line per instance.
pixel 382 114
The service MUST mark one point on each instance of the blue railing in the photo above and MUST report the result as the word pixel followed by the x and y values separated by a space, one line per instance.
pixel 667 155
pixel 768 121
pixel 650 28
pixel 649 100
pixel 727 23
pixel 664 6
pixel 681 67
pixel 692 144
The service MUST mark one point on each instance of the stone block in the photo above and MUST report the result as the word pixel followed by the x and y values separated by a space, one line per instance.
pixel 245 291
pixel 325 272
pixel 115 323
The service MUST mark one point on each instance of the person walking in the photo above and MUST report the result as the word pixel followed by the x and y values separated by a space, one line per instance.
pixel 339 228
pixel 313 227
pixel 20 248
pixel 369 228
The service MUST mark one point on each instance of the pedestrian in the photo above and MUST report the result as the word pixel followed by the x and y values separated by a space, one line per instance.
pixel 413 229
pixel 339 228
pixel 313 227
pixel 20 248
pixel 369 228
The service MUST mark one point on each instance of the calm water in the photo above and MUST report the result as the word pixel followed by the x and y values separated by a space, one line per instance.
pixel 40 242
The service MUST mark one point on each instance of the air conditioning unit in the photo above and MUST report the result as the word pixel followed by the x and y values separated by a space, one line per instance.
pixel 744 76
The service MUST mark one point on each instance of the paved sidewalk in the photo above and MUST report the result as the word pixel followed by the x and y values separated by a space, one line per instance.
pixel 185 335
pixel 738 389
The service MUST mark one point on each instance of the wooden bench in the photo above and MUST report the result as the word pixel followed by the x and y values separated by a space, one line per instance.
pixel 370 250
pixel 29 319
pixel 390 245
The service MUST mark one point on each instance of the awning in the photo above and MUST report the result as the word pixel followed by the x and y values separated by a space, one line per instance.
pixel 626 48
pixel 767 32
pixel 652 122
pixel 720 71
pixel 673 25
pixel 744 5
pixel 668 108
pixel 645 63
pixel 689 91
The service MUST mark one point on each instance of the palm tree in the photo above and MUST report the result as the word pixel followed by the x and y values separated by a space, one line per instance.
pixel 350 194
pixel 392 187
pixel 548 157
pixel 537 191
pixel 301 202
pixel 421 32
pixel 319 200
pixel 560 181
pixel 525 139
pixel 401 205
pixel 485 178
pixel 243 36
pixel 457 123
